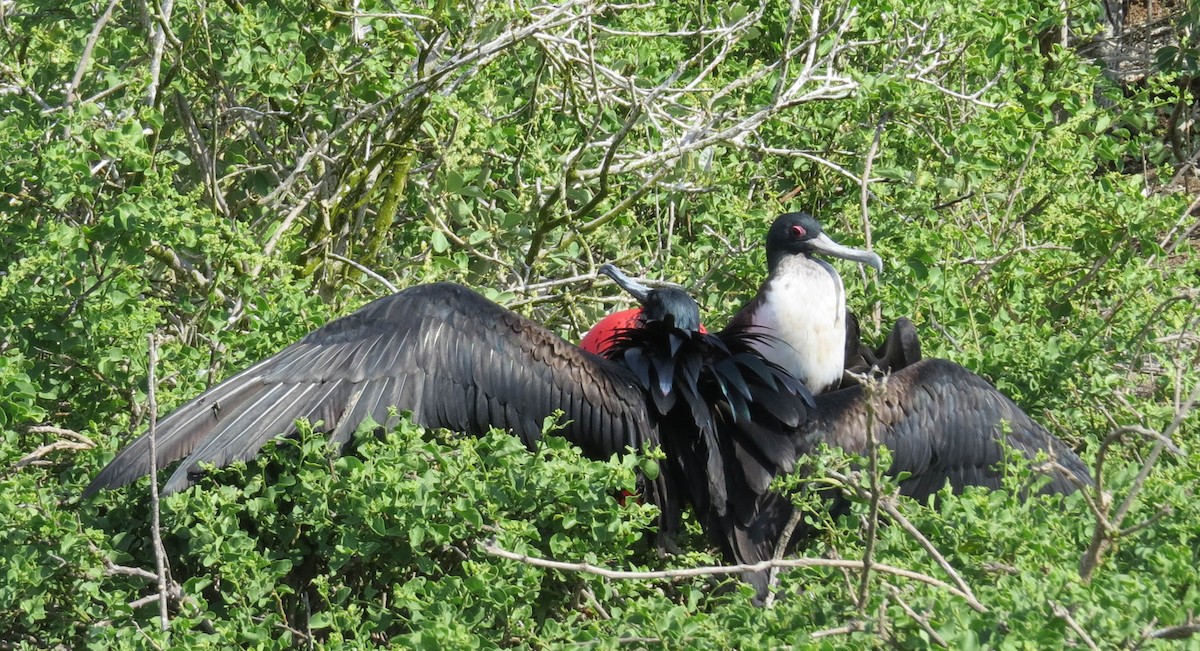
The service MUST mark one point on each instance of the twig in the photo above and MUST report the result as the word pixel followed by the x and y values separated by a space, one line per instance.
pixel 888 505
pixel 595 603
pixel 1107 529
pixel 174 590
pixel 1181 632
pixel 871 389
pixel 1062 612
pixel 160 552
pixel 864 196
pixel 86 57
pixel 200 151
pixel 1167 244
pixel 71 440
pixel 1117 434
pixel 159 23
pixel 492 549
pixel 371 274
pixel 921 620
pixel 171 259
pixel 1017 184
pixel 853 627
pixel 781 546
pixel 284 226
pixel 985 266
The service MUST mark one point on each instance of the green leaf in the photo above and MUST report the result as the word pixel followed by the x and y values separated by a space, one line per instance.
pixel 439 242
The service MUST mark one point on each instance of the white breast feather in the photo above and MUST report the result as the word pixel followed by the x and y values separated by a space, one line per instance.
pixel 805 307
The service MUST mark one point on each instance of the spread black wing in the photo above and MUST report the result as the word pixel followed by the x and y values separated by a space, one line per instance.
pixel 452 357
pixel 944 423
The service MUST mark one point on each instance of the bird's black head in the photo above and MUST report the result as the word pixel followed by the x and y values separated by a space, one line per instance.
pixel 799 233
pixel 667 304
pixel 672 306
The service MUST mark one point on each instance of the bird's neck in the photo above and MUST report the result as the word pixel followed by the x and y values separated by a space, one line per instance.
pixel 804 305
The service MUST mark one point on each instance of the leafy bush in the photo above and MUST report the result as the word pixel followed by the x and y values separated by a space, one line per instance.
pixel 229 176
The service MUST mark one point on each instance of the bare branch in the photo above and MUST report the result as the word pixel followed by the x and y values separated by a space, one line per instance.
pixel 159 26
pixel 160 552
pixel 1108 527
pixel 85 58
pixel 921 620
pixel 173 261
pixel 852 627
pixel 864 196
pixel 201 153
pixel 1065 615
pixel 872 388
pixel 889 506
pixel 71 440
pixel 1181 632
pixel 370 274
pixel 492 549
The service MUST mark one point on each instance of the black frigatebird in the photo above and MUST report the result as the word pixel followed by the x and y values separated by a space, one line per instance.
pixel 459 361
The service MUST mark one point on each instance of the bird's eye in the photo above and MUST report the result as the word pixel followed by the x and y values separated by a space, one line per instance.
pixel 798 231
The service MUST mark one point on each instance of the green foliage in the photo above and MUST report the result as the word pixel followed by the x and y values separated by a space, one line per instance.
pixel 228 200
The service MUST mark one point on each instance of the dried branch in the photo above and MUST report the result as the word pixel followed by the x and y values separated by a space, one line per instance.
pixel 85 58
pixel 1065 614
pixel 985 266
pixel 160 552
pixel 174 591
pixel 1179 632
pixel 367 272
pixel 173 261
pixel 864 196
pixel 889 506
pixel 1177 234
pixel 781 547
pixel 852 627
pixel 921 620
pixel 493 550
pixel 159 26
pixel 201 154
pixel 71 440
pixel 872 388
pixel 1108 527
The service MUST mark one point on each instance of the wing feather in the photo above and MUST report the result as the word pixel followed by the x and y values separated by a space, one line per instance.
pixel 944 423
pixel 448 355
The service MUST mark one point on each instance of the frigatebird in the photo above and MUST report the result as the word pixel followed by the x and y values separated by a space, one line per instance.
pixel 945 422
pixel 942 422
pixel 456 360
pixel 803 302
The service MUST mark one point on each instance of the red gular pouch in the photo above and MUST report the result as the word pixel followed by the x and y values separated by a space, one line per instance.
pixel 600 337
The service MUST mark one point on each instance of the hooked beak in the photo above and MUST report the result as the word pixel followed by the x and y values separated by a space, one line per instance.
pixel 636 289
pixel 823 244
pixel 670 305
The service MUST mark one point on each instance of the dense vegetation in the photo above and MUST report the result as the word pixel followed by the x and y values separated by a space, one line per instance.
pixel 226 176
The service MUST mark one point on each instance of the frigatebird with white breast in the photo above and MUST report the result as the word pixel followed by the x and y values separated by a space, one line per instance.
pixel 942 422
